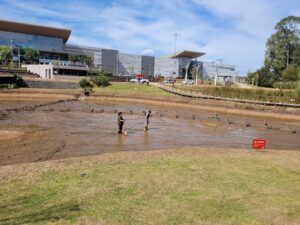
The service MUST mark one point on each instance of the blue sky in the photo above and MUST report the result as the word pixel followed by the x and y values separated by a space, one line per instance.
pixel 233 30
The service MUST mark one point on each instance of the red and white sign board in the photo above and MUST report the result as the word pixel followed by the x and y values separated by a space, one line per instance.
pixel 259 144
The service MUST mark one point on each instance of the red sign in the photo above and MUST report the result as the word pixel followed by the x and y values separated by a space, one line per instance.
pixel 259 144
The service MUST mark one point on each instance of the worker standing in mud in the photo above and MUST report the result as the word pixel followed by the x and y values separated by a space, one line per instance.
pixel 147 116
pixel 120 122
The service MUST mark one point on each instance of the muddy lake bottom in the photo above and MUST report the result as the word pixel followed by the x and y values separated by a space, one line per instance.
pixel 78 128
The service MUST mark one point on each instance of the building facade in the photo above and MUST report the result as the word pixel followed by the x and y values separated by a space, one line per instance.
pixel 51 42
pixel 185 65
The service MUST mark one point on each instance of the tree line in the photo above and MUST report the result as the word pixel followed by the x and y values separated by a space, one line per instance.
pixel 282 57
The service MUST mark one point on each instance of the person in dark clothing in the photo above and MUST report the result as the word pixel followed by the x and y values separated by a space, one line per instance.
pixel 147 116
pixel 120 122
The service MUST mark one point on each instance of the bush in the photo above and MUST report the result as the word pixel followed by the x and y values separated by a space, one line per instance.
pixel 100 81
pixel 298 89
pixel 290 73
pixel 19 80
pixel 285 85
pixel 8 86
pixel 12 83
pixel 249 94
pixel 85 84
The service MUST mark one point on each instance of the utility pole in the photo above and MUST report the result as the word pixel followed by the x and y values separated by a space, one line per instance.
pixel 175 42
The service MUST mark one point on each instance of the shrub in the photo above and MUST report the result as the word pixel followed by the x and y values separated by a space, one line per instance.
pixel 285 85
pixel 290 73
pixel 101 81
pixel 19 82
pixel 249 94
pixel 8 86
pixel 85 84
pixel 298 90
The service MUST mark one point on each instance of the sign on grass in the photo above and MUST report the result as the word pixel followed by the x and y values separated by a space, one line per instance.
pixel 259 144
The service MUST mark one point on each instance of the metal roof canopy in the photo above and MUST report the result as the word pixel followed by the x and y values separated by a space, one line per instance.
pixel 187 54
pixel 26 28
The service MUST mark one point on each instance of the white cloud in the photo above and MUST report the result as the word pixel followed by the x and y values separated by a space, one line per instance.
pixel 148 51
pixel 233 30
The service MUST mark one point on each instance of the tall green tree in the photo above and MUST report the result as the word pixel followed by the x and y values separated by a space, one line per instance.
pixel 88 60
pixel 283 47
pixel 31 55
pixel 5 54
pixel 74 58
pixel 290 73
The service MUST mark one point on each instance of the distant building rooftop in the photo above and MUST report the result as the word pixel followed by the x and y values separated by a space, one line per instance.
pixel 187 54
pixel 27 28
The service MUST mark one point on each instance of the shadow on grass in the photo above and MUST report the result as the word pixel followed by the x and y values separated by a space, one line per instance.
pixel 54 213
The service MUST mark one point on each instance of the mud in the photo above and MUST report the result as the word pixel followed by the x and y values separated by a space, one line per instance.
pixel 76 128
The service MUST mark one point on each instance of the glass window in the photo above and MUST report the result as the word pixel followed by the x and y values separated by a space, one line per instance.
pixel 31 41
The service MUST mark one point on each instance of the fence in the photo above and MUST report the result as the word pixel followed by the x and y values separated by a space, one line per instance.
pixel 271 100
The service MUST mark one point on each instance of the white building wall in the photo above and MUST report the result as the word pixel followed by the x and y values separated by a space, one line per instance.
pixel 43 70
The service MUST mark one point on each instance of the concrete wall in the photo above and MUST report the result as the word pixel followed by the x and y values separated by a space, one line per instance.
pixel 147 64
pixel 47 84
pixel 44 71
pixel 129 63
pixel 110 60
pixel 166 67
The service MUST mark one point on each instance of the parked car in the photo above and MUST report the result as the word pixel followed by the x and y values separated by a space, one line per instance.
pixel 188 82
pixel 169 81
pixel 139 81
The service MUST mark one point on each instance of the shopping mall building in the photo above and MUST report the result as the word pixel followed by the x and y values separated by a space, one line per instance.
pixel 54 54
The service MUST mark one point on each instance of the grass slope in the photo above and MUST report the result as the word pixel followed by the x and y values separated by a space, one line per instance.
pixel 167 187
pixel 131 89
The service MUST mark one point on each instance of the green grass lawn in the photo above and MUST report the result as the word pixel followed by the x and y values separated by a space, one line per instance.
pixel 131 89
pixel 116 88
pixel 159 187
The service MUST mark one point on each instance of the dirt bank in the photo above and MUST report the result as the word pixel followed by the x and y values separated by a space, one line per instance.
pixel 197 107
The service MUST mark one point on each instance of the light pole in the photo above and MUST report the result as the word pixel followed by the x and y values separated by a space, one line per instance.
pixel 175 42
